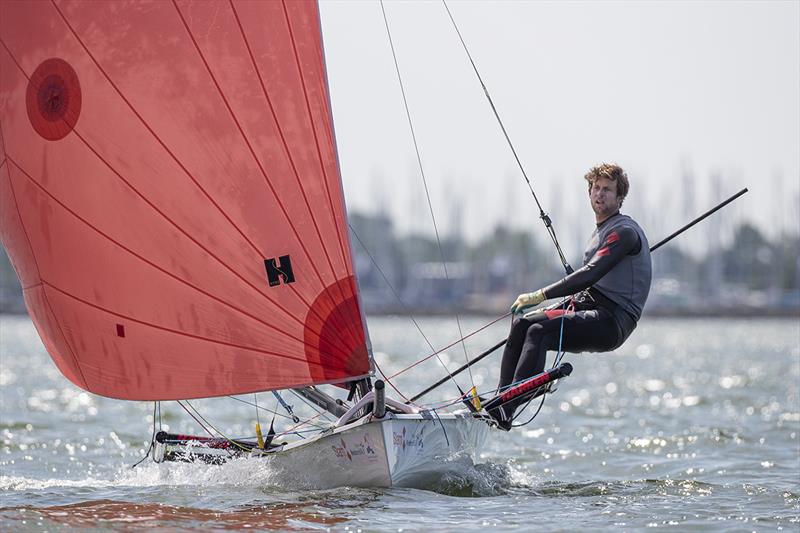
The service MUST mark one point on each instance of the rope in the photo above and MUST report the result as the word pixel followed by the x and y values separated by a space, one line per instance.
pixel 195 419
pixel 544 216
pixel 293 429
pixel 559 355
pixel 315 408
pixel 152 439
pixel 230 440
pixel 272 412
pixel 406 369
pixel 391 287
pixel 425 184
pixel 389 381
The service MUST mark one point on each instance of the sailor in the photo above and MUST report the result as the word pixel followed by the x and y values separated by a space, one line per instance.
pixel 606 295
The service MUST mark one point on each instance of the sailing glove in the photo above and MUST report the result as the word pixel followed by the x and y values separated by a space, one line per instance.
pixel 528 299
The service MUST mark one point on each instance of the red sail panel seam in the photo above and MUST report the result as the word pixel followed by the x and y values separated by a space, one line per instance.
pixel 180 164
pixel 280 132
pixel 198 244
pixel 63 336
pixel 350 329
pixel 173 331
pixel 264 91
pixel 75 360
pixel 348 254
pixel 312 125
pixel 19 216
pixel 227 267
pixel 254 156
pixel 150 263
pixel 246 140
pixel 154 134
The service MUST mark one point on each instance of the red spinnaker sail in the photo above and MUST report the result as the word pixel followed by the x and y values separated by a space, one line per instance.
pixel 171 199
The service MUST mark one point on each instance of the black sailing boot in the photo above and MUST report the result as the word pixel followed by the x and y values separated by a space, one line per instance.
pixel 501 418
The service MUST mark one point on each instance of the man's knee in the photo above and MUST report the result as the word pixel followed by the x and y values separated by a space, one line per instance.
pixel 535 333
pixel 519 326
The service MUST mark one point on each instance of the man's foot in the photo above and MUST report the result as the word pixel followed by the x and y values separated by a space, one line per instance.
pixel 500 417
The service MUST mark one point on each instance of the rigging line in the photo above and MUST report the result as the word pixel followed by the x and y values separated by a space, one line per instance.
pixel 313 407
pixel 452 401
pixel 560 353
pixel 406 310
pixel 409 367
pixel 264 91
pixel 286 406
pixel 389 381
pixel 544 216
pixel 152 439
pixel 261 408
pixel 425 184
pixel 175 225
pixel 186 171
pixel 230 440
pixel 541 404
pixel 559 356
pixel 494 391
pixel 195 419
pixel 293 429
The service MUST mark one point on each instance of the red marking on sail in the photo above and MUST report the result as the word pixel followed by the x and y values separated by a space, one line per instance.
pixel 333 348
pixel 53 99
pixel 139 201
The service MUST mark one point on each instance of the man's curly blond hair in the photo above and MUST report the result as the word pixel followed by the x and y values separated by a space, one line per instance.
pixel 612 172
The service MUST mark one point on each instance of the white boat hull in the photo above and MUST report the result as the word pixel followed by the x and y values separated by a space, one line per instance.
pixel 400 450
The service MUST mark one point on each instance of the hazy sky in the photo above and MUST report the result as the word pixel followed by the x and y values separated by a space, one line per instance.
pixel 708 90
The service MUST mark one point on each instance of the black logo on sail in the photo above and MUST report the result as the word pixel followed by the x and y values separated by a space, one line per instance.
pixel 280 270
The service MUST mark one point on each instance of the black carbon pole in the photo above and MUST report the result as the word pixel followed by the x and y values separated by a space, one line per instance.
pixel 461 369
pixel 652 249
pixel 698 219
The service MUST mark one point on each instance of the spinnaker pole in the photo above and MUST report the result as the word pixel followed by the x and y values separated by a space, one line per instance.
pixel 698 219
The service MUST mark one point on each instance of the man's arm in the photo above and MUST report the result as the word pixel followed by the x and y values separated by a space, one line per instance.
pixel 618 244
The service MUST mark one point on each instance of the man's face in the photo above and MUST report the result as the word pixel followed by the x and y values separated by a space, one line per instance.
pixel 603 196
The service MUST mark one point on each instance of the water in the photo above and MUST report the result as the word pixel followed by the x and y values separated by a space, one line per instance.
pixel 692 425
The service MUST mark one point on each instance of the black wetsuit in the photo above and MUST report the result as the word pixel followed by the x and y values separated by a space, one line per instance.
pixel 597 319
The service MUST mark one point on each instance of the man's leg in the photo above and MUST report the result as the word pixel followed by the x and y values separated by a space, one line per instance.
pixel 592 330
pixel 512 351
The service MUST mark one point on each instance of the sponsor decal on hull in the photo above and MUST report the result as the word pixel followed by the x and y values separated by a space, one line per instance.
pixel 362 449
pixel 403 441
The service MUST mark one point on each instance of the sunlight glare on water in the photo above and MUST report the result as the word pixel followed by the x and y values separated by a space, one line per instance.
pixel 690 425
